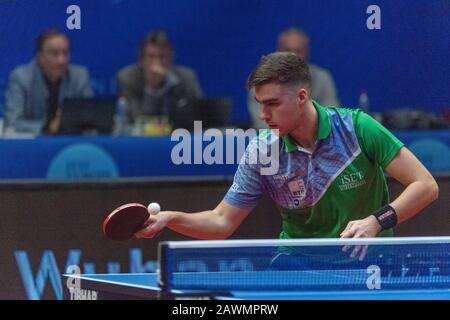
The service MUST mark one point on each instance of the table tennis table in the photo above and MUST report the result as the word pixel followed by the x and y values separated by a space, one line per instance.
pixel 403 269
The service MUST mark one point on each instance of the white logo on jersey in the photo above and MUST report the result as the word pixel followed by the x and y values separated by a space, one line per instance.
pixel 351 181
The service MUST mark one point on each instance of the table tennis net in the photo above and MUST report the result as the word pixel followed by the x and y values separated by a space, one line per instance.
pixel 390 263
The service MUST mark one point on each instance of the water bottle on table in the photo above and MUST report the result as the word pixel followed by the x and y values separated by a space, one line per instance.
pixel 121 116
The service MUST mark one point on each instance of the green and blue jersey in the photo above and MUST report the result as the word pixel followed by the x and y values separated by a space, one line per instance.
pixel 319 192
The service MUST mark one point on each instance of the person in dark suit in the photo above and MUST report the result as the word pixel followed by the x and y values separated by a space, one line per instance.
pixel 36 90
pixel 154 85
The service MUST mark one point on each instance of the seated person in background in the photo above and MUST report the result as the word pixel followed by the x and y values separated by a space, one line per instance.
pixel 323 88
pixel 154 85
pixel 35 90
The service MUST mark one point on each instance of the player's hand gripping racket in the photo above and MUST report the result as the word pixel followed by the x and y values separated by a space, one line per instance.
pixel 125 221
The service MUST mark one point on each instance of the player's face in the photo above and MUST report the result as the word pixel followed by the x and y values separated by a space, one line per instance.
pixel 281 106
pixel 54 57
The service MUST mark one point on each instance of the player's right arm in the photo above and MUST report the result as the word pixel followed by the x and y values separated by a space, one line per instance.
pixel 216 224
pixel 222 221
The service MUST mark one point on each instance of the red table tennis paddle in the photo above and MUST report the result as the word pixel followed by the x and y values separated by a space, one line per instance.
pixel 125 221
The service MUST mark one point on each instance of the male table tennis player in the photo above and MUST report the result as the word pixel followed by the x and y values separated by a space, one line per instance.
pixel 330 181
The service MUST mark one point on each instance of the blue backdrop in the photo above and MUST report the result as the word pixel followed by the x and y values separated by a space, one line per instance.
pixel 405 64
pixel 74 158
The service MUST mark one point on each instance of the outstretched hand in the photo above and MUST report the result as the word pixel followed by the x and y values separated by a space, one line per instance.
pixel 154 225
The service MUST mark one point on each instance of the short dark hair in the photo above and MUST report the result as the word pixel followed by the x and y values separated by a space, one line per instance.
pixel 281 67
pixel 45 35
pixel 157 37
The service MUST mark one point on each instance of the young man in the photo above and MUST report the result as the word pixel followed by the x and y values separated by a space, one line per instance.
pixel 330 181
pixel 35 90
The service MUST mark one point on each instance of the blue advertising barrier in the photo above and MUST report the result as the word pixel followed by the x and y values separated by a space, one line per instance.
pixel 72 158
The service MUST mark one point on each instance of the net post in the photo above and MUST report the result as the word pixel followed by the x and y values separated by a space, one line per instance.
pixel 164 272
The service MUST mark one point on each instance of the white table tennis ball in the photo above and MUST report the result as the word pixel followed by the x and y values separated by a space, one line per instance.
pixel 153 208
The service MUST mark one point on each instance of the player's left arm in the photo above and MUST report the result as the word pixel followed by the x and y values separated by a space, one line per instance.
pixel 421 188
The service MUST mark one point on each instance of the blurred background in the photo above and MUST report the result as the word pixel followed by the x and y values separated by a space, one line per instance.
pixel 404 64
